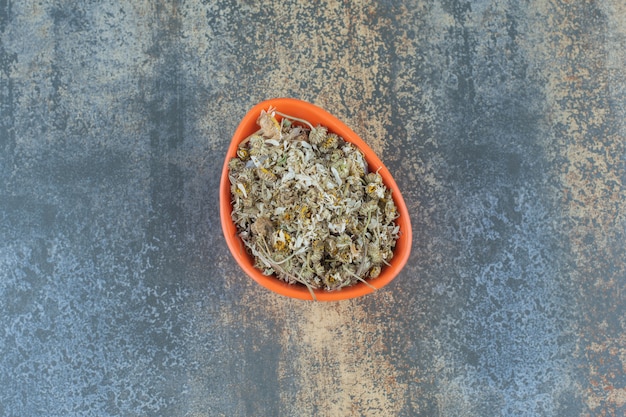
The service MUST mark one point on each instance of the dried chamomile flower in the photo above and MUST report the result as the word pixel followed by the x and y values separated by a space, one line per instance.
pixel 317 135
pixel 307 208
pixel 270 128
pixel 329 143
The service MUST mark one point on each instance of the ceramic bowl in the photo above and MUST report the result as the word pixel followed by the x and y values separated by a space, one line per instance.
pixel 315 115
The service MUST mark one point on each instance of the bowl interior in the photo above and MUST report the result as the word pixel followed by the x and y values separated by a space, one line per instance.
pixel 315 115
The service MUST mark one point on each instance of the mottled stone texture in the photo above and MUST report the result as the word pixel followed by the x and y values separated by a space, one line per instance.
pixel 502 121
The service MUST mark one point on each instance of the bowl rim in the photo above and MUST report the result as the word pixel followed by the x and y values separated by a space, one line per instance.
pixel 315 115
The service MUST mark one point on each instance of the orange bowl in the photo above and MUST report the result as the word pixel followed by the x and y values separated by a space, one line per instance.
pixel 315 115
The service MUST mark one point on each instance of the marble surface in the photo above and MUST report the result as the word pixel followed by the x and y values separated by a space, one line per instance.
pixel 503 123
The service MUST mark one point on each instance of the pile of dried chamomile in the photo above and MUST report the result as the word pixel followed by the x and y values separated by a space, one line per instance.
pixel 306 206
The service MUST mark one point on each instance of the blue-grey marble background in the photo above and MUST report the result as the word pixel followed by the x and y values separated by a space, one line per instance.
pixel 503 123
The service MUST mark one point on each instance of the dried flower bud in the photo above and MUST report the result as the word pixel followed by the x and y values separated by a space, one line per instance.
pixel 243 154
pixel 262 226
pixel 374 177
pixel 317 135
pixel 329 143
pixel 332 281
pixel 374 271
pixel 265 174
pixel 281 240
pixel 235 164
pixel 270 128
